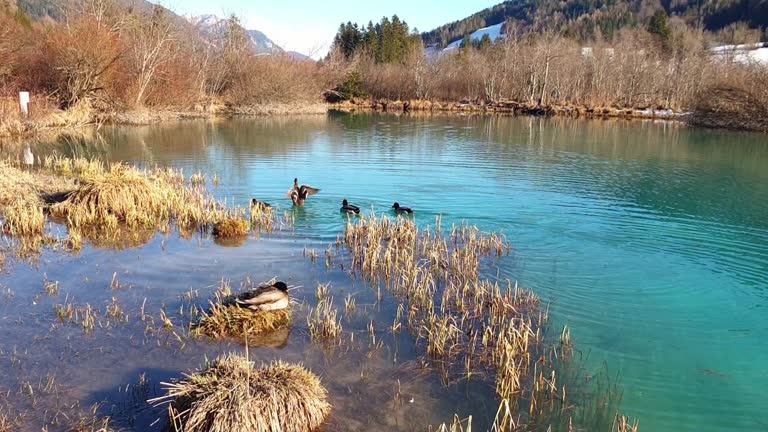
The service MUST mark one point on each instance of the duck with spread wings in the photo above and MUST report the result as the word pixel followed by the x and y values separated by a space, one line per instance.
pixel 299 194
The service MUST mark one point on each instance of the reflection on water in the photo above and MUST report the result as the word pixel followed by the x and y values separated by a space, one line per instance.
pixel 650 240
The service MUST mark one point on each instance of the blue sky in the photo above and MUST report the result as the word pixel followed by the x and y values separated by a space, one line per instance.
pixel 308 26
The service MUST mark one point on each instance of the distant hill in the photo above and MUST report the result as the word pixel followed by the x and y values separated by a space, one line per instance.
pixel 213 26
pixel 55 9
pixel 263 44
pixel 297 55
pixel 39 10
pixel 585 19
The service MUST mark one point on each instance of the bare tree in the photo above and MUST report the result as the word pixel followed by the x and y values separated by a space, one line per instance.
pixel 152 39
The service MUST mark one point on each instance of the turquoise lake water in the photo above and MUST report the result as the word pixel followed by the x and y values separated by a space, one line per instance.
pixel 649 240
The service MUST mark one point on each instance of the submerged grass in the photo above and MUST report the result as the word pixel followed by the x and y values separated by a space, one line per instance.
pixel 470 327
pixel 231 395
pixel 324 323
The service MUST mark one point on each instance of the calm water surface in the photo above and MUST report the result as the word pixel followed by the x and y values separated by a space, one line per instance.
pixel 649 240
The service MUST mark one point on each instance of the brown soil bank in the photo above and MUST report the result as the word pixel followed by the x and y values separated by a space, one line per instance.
pixel 510 107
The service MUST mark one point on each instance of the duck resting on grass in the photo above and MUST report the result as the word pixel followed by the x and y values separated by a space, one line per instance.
pixel 348 208
pixel 260 204
pixel 298 194
pixel 401 210
pixel 266 298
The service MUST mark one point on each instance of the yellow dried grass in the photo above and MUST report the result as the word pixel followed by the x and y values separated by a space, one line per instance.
pixel 230 226
pixel 23 218
pixel 120 195
pixel 231 395
pixel 224 320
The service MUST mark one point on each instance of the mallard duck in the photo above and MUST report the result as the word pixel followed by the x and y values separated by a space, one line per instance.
pixel 260 204
pixel 298 194
pixel 266 298
pixel 401 210
pixel 349 208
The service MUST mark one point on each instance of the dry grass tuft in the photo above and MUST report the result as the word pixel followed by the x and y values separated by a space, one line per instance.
pixel 24 218
pixel 324 322
pixel 115 206
pixel 92 422
pixel 231 226
pixel 226 320
pixel 231 395
pixel 122 194
pixel 18 184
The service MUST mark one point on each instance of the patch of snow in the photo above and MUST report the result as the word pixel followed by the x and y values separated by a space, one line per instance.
pixel 745 53
pixel 494 32
pixel 590 52
pixel 722 48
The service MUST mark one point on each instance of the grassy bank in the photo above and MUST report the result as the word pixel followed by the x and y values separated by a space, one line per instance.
pixel 109 204
pixel 47 119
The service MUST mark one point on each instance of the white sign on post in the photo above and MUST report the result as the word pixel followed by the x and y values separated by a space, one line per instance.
pixel 24 103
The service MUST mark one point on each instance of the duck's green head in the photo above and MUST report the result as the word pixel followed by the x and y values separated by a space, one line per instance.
pixel 281 286
pixel 344 202
pixel 395 206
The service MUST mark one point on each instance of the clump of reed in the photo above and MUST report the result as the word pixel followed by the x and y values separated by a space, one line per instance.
pixel 324 322
pixel 120 195
pixel 23 217
pixel 263 217
pixel 92 422
pixel 469 326
pixel 17 183
pixel 230 226
pixel 229 394
pixel 228 320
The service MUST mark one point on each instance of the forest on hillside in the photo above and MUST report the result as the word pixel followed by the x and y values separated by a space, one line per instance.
pixel 660 63
pixel 598 20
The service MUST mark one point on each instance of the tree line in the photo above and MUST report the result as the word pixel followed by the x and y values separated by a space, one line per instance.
pixel 115 58
pixel 387 41
pixel 660 63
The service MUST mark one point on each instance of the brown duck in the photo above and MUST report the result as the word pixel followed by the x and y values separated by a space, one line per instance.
pixel 298 194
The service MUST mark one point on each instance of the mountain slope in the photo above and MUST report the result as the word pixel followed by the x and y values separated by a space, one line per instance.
pixel 262 44
pixel 210 25
pixel 55 9
pixel 586 19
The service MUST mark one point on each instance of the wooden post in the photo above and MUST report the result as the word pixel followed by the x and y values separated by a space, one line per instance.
pixel 24 103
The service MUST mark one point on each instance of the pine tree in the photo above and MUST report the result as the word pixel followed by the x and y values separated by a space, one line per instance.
pixel 658 26
pixel 485 41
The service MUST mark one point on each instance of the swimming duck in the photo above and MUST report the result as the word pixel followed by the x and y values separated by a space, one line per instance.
pixel 349 208
pixel 260 204
pixel 298 194
pixel 401 210
pixel 266 297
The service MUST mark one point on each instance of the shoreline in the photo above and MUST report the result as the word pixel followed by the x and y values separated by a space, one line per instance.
pixel 57 122
pixel 510 107
pixel 64 121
